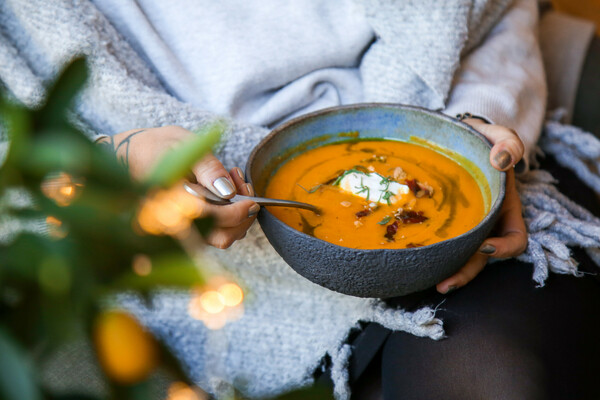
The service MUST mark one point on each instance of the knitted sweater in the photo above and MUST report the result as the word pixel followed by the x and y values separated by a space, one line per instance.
pixel 289 324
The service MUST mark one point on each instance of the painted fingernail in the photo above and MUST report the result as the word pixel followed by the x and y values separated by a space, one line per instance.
pixel 503 159
pixel 239 173
pixel 249 189
pixel 224 187
pixel 451 289
pixel 253 210
pixel 487 249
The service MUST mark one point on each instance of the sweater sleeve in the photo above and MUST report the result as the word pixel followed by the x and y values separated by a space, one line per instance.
pixel 503 80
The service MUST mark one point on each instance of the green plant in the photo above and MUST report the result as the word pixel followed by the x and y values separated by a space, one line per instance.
pixel 52 283
pixel 101 235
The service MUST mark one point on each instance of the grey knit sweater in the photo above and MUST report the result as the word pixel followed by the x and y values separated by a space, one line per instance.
pixel 289 324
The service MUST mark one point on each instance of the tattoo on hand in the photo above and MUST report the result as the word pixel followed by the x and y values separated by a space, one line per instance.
pixel 127 141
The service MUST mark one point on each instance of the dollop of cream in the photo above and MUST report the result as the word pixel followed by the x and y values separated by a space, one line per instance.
pixel 373 187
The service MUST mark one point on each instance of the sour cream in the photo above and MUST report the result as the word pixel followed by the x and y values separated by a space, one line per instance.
pixel 373 187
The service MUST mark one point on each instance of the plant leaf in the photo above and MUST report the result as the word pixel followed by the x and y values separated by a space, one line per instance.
pixel 176 163
pixel 16 378
pixel 62 94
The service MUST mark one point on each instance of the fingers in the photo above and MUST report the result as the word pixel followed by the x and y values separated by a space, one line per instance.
pixel 223 238
pixel 240 182
pixel 507 147
pixel 231 215
pixel 464 275
pixel 232 221
pixel 211 174
pixel 510 242
pixel 512 239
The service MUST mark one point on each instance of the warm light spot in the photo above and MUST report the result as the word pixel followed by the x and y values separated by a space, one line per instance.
pixel 141 265
pixel 215 321
pixel 126 351
pixel 67 191
pixel 181 391
pixel 60 187
pixel 55 228
pixel 212 302
pixel 232 294
pixel 168 212
pixel 195 308
pixel 217 303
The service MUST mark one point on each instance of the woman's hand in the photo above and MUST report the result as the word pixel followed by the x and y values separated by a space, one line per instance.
pixel 139 149
pixel 511 239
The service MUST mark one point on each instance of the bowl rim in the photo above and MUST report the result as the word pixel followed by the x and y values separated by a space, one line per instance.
pixel 492 213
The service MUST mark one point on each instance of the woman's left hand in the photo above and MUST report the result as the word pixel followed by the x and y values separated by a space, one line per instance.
pixel 511 239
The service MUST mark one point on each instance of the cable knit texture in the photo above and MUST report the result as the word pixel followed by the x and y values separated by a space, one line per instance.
pixel 289 324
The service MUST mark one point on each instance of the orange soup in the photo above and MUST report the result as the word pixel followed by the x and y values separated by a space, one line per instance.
pixel 378 194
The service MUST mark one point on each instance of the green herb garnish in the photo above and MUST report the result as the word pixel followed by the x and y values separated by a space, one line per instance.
pixel 312 190
pixel 385 220
pixel 386 196
pixel 363 189
pixel 386 193
pixel 350 171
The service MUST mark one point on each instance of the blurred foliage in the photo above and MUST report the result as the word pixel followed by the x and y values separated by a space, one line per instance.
pixel 52 284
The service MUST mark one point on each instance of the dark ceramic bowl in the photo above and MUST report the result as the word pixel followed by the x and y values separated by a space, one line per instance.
pixel 382 272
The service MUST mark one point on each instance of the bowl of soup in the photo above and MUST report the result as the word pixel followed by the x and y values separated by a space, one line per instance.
pixel 406 195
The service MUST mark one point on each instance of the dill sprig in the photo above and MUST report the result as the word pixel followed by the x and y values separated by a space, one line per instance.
pixel 363 189
pixel 348 172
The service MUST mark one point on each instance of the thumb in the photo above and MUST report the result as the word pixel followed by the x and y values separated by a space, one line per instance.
pixel 211 174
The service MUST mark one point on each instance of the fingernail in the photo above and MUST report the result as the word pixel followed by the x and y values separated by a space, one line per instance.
pixel 249 189
pixel 503 159
pixel 487 249
pixel 224 187
pixel 451 289
pixel 239 173
pixel 253 210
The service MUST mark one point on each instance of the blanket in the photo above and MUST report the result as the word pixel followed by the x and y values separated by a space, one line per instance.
pixel 289 324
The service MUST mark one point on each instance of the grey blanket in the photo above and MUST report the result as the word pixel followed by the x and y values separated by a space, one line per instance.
pixel 289 324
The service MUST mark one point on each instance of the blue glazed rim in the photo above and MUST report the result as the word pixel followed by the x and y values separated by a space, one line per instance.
pixel 488 220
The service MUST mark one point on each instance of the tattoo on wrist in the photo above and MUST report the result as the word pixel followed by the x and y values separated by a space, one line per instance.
pixel 108 144
pixel 126 142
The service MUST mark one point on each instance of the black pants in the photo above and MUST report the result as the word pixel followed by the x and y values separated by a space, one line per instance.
pixel 506 339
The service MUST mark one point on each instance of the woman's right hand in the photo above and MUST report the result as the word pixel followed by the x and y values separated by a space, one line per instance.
pixel 139 149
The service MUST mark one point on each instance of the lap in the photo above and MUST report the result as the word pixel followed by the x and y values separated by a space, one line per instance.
pixel 506 339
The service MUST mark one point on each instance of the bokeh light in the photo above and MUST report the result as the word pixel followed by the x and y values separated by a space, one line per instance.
pixel 56 229
pixel 61 187
pixel 168 212
pixel 141 265
pixel 181 391
pixel 216 304
pixel 232 294
pixel 212 302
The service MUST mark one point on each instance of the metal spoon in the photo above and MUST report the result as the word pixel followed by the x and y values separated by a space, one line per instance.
pixel 203 193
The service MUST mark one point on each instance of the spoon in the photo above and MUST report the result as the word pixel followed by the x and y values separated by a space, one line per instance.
pixel 203 193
